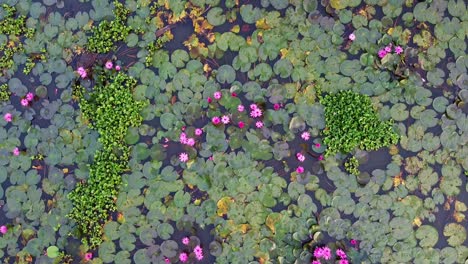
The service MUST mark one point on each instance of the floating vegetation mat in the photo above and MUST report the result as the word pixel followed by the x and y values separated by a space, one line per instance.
pixel 233 132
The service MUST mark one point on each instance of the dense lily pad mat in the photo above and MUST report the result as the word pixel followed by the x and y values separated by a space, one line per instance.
pixel 203 125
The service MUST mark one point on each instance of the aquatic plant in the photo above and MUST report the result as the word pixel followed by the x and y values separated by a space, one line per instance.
pixel 111 110
pixel 351 122
pixel 107 33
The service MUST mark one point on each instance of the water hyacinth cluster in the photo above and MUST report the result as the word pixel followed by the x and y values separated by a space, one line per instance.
pixel 107 33
pixel 111 110
pixel 353 123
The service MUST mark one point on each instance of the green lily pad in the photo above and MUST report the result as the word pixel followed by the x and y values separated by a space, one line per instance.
pixel 456 234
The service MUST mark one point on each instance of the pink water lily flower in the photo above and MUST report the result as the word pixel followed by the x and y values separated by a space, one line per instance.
pixel 24 102
pixel 382 53
pixel 109 65
pixel 216 120
pixel 183 257
pixel 305 135
pixel 240 108
pixel 185 240
pixel 259 124
pixel 241 124
pixel 300 169
pixel 225 119
pixel 217 95
pixel 3 229
pixel 88 256
pixel 30 96
pixel 352 36
pixel 16 151
pixel 183 157
pixel 398 50
pixel 198 131
pixel 8 117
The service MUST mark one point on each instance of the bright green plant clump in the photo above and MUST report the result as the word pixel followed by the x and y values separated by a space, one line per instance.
pixel 4 92
pixel 107 33
pixel 111 109
pixel 14 27
pixel 352 122
pixel 352 165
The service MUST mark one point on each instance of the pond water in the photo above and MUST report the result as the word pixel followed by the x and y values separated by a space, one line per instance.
pixel 243 194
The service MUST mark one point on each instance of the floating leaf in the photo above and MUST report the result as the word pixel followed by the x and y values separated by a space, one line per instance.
pixel 456 234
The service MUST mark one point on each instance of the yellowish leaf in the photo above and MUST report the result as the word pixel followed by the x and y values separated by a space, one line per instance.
pixel 262 24
pixel 235 29
pixel 223 205
pixel 459 217
pixel 390 31
pixel 271 220
pixel 284 52
pixel 417 222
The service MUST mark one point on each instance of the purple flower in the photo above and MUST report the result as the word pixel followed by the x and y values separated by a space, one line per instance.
pixel 398 50
pixel 109 65
pixel 117 68
pixel 276 107
pixel 388 48
pixel 185 240
pixel 253 106
pixel 8 117
pixel 209 100
pixel 88 256
pixel 259 124
pixel 240 108
pixel 382 53
pixel 198 131
pixel 241 124
pixel 217 95
pixel 3 229
pixel 216 120
pixel 344 261
pixel 316 262
pixel 183 157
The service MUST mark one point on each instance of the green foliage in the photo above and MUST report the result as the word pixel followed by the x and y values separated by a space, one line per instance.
pixel 4 92
pixel 352 122
pixel 15 27
pixel 107 33
pixel 112 110
pixel 352 165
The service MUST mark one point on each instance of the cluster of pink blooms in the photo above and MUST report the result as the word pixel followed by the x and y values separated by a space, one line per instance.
pixel 255 112
pixel 3 229
pixel 325 253
pixel 88 256
pixel 27 99
pixel 300 157
pixel 186 141
pixel 184 256
pixel 388 49
pixel 82 72
pixel 305 135
pixel 322 252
